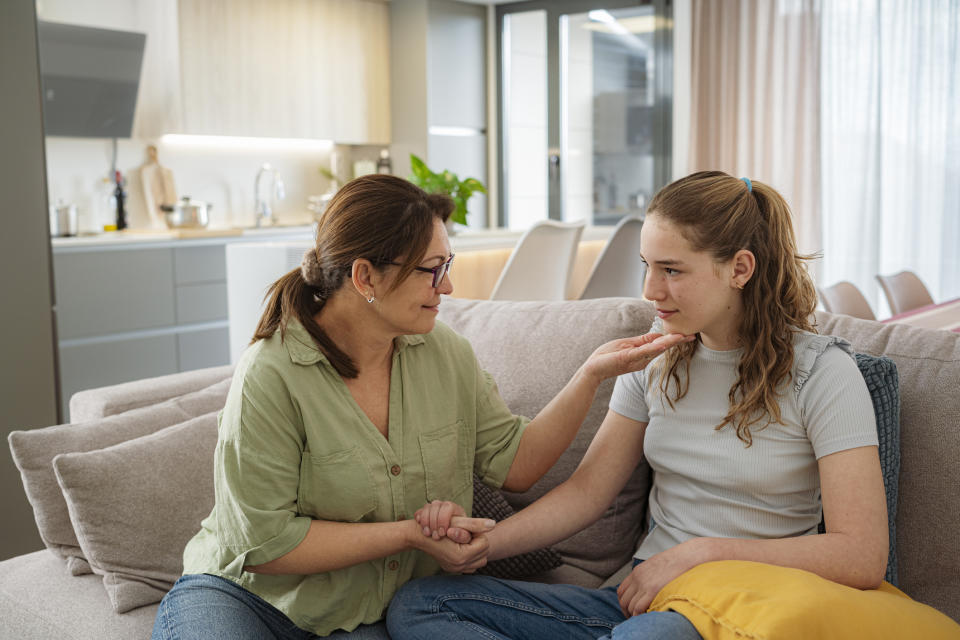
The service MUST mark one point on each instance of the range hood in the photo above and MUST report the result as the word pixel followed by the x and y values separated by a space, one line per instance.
pixel 90 79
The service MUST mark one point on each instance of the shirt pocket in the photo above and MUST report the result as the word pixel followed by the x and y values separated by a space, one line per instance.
pixel 336 486
pixel 447 462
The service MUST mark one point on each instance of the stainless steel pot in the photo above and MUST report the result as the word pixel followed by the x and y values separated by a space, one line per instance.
pixel 187 214
pixel 63 220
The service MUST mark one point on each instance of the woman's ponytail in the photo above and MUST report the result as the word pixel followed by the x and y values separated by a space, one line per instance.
pixel 301 294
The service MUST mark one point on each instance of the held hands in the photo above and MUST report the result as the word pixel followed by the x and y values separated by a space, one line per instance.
pixel 630 354
pixel 457 542
pixel 441 518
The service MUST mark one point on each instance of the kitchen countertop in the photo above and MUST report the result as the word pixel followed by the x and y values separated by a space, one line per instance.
pixel 119 240
pixel 115 240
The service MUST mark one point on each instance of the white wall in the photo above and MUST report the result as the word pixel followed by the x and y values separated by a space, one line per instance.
pixel 525 117
pixel 577 129
pixel 220 175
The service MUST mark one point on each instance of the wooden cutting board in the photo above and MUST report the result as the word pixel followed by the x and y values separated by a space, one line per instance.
pixel 158 188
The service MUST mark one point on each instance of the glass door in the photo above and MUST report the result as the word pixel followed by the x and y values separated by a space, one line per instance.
pixel 585 109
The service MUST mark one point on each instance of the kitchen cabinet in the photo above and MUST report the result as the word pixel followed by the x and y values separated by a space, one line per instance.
pixel 104 293
pixel 130 312
pixel 286 68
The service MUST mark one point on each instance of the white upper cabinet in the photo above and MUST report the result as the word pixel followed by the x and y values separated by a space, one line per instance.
pixel 286 68
pixel 277 68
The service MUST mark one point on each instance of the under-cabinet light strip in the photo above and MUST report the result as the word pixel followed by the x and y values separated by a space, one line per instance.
pixel 235 142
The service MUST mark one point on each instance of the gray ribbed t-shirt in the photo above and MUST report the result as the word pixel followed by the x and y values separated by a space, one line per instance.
pixel 708 483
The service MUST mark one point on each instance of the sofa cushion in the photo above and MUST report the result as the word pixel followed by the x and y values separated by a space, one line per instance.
pixel 39 600
pixel 490 503
pixel 928 363
pixel 532 349
pixel 135 506
pixel 34 450
pixel 93 404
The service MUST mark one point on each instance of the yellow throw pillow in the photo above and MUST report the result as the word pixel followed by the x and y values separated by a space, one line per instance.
pixel 733 599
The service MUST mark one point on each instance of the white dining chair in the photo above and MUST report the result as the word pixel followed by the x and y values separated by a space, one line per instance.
pixel 619 269
pixel 846 299
pixel 905 291
pixel 540 265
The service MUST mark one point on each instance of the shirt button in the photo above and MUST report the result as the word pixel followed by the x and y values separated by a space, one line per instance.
pixel 395 469
pixel 393 565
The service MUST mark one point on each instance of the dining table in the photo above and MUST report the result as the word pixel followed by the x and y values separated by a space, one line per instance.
pixel 941 315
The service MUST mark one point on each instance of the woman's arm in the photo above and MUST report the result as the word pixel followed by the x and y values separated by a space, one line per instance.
pixel 853 551
pixel 329 546
pixel 551 432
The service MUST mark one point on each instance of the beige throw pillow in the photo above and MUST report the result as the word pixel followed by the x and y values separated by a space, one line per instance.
pixel 34 451
pixel 135 506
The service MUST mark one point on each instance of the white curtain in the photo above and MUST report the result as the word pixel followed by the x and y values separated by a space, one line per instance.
pixel 755 99
pixel 890 121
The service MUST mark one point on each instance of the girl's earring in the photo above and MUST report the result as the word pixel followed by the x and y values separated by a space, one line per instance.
pixel 371 299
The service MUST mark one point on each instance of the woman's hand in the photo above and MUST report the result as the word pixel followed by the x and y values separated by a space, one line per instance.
pixel 440 518
pixel 630 354
pixel 455 557
pixel 646 580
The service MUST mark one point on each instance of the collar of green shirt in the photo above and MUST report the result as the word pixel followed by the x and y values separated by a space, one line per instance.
pixel 303 350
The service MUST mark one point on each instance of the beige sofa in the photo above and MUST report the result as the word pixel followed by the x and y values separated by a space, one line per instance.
pixel 531 348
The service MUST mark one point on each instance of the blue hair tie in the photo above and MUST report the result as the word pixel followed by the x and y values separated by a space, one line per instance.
pixel 748 183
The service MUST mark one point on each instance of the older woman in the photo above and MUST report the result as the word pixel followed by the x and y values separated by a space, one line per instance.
pixel 352 409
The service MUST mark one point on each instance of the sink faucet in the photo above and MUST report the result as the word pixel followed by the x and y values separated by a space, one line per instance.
pixel 263 199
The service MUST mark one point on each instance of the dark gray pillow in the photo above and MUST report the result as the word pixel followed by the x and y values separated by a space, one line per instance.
pixel 490 503
pixel 883 382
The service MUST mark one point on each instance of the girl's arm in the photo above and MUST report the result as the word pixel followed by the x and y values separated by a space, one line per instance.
pixel 853 551
pixel 551 432
pixel 579 501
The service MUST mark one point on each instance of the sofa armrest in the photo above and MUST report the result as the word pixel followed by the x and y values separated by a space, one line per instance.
pixel 100 402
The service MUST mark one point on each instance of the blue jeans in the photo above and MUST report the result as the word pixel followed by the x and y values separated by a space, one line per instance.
pixel 210 608
pixel 461 607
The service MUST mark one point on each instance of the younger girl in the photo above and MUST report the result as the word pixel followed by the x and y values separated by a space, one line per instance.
pixel 753 431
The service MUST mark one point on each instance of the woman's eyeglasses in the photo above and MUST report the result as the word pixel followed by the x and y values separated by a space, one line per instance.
pixel 438 271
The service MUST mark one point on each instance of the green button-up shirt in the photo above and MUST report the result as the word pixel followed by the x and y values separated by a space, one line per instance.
pixel 294 446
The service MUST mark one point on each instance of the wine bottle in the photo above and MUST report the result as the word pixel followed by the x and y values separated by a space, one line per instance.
pixel 119 196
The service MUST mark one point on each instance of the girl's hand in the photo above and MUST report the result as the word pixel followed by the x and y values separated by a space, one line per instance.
pixel 440 518
pixel 646 580
pixel 630 354
pixel 455 557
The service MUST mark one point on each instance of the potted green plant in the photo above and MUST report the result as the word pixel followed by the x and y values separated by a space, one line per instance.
pixel 446 182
